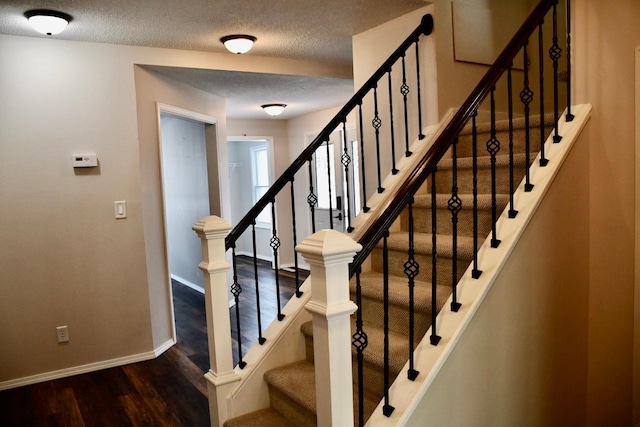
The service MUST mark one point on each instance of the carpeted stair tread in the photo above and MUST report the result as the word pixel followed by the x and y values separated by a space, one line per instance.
pixel 262 418
pixel 422 244
pixel 484 162
pixel 371 284
pixel 296 381
pixel 503 125
pixel 423 201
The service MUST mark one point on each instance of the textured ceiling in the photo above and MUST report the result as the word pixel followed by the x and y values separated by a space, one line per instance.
pixel 319 30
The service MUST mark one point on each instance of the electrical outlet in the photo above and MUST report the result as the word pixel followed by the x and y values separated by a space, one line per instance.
pixel 63 333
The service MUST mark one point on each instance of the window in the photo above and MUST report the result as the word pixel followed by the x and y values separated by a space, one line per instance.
pixel 260 181
pixel 322 183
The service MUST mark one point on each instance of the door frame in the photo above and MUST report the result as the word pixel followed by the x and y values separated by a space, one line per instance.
pixel 210 141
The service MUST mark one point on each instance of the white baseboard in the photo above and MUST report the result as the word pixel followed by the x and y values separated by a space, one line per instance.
pixel 83 369
pixel 188 283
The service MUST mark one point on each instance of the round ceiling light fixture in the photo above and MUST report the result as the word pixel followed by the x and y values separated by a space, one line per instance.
pixel 273 109
pixel 48 22
pixel 238 43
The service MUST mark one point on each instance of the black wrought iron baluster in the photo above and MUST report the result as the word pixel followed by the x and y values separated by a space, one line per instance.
pixel 261 339
pixel 363 180
pixel 526 96
pixel 394 170
pixel 360 342
pixel 295 239
pixel 404 90
pixel 434 338
pixel 275 245
pixel 329 161
pixel 569 117
pixel 543 160
pixel 493 147
pixel 236 290
pixel 345 159
pixel 418 86
pixel 475 272
pixel 512 211
pixel 312 199
pixel 377 123
pixel 454 206
pixel 554 53
pixel 387 409
pixel 411 270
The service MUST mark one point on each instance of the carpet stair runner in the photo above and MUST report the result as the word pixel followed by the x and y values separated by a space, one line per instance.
pixel 292 387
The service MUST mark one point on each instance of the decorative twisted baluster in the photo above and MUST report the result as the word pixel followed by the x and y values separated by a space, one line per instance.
pixel 526 96
pixel 554 53
pixel 377 123
pixel 493 147
pixel 512 211
pixel 236 290
pixel 274 242
pixel 312 199
pixel 411 270
pixel 404 90
pixel 345 159
pixel 454 206
pixel 360 342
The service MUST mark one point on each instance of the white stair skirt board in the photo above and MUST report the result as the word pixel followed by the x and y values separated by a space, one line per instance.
pixel 83 369
pixel 405 395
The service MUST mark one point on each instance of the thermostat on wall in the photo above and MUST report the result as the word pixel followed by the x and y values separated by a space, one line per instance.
pixel 85 160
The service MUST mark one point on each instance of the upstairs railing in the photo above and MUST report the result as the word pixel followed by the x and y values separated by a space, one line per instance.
pixel 314 169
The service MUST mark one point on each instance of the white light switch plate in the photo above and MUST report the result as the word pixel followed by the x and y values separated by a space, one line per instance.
pixel 120 209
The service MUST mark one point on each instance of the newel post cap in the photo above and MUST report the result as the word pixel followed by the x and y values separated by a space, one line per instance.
pixel 211 227
pixel 328 247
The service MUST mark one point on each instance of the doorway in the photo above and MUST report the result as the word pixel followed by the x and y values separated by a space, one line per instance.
pixel 251 172
pixel 186 147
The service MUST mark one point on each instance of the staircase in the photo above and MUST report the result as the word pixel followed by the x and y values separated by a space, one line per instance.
pixel 292 387
pixel 418 236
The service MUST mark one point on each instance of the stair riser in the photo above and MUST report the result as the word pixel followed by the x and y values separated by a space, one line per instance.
pixel 465 179
pixel 373 314
pixel 422 221
pixel 465 146
pixel 290 409
pixel 397 259
pixel 373 373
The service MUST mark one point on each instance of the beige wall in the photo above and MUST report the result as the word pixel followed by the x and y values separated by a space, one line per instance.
pixel 522 361
pixel 65 259
pixel 605 40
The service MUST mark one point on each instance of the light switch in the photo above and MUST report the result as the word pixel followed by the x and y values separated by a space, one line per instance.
pixel 121 209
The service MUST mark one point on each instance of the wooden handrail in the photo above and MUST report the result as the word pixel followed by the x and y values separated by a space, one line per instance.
pixel 425 28
pixel 427 165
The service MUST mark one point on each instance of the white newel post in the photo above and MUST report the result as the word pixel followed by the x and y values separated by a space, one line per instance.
pixel 329 253
pixel 221 377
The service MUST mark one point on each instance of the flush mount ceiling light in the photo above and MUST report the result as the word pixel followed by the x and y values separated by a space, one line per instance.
pixel 238 43
pixel 273 109
pixel 48 22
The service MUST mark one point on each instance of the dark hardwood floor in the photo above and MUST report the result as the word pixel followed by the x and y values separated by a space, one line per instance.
pixel 167 391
